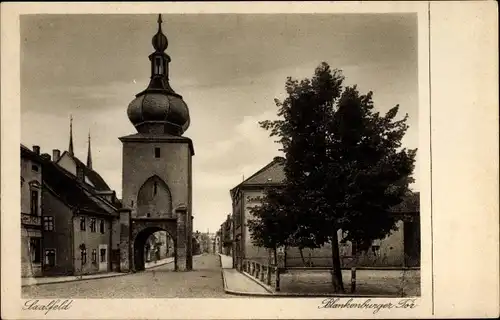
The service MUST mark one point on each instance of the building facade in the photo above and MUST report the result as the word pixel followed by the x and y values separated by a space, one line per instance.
pixel 245 196
pixel 400 248
pixel 77 223
pixel 31 212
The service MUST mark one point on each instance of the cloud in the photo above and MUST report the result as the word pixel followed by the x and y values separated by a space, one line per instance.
pixel 228 68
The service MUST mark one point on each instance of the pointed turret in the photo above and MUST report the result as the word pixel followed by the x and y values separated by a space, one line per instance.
pixel 70 149
pixel 89 156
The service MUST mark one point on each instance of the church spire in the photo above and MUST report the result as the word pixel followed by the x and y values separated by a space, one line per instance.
pixel 70 149
pixel 89 155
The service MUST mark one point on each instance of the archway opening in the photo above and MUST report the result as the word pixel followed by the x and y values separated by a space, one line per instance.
pixel 151 245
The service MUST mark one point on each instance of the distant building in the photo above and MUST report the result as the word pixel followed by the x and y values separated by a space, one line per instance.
pixel 218 242
pixel 399 248
pixel 227 236
pixel 31 212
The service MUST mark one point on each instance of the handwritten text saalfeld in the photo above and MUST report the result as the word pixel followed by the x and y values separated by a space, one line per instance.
pixel 53 305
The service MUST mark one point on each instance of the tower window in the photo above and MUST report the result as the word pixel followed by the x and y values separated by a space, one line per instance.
pixel 157 152
pixel 158 65
pixel 155 188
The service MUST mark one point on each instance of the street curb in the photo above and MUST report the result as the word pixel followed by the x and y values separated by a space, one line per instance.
pixel 75 280
pixel 257 282
pixel 96 278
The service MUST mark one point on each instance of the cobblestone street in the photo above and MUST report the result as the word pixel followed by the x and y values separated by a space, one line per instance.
pixel 205 281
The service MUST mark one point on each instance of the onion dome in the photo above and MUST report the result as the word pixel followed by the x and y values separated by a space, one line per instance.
pixel 159 109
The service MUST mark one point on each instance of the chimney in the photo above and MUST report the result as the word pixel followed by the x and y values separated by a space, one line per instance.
pixel 56 154
pixel 36 149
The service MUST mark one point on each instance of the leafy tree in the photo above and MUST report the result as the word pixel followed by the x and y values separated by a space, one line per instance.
pixel 270 228
pixel 344 167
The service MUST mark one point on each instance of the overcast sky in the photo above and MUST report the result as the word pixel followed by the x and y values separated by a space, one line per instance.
pixel 229 68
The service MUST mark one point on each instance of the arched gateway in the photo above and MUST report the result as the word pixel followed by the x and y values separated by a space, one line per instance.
pixel 157 168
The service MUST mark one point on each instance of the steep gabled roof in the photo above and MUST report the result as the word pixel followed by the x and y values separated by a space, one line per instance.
pixel 65 186
pixel 93 176
pixel 271 174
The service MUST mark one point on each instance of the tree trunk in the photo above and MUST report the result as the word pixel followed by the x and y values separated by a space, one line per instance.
pixel 302 257
pixel 337 282
pixel 275 256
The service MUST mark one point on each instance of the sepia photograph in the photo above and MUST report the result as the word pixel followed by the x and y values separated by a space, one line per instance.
pixel 279 150
pixel 222 161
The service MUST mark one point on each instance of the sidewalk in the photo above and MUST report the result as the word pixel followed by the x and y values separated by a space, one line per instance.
pixel 237 283
pixel 152 264
pixel 46 280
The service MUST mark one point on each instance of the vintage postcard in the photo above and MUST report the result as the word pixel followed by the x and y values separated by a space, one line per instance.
pixel 237 160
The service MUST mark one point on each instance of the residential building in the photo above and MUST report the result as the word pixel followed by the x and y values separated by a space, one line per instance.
pixel 399 248
pixel 31 212
pixel 245 196
pixel 77 224
pixel 68 213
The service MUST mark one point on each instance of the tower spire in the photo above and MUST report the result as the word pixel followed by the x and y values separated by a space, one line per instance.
pixel 160 21
pixel 89 155
pixel 70 149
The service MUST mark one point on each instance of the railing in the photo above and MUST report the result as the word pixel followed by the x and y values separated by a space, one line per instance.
pixel 29 219
pixel 270 274
pixel 265 273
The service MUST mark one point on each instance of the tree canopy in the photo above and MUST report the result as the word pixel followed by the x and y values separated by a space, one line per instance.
pixel 344 167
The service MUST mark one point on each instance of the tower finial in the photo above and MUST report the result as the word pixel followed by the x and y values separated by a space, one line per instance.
pixel 160 41
pixel 89 155
pixel 70 149
pixel 160 21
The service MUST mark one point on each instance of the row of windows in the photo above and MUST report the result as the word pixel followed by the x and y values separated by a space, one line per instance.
pixel 102 255
pixel 92 225
pixel 50 254
pixel 48 224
